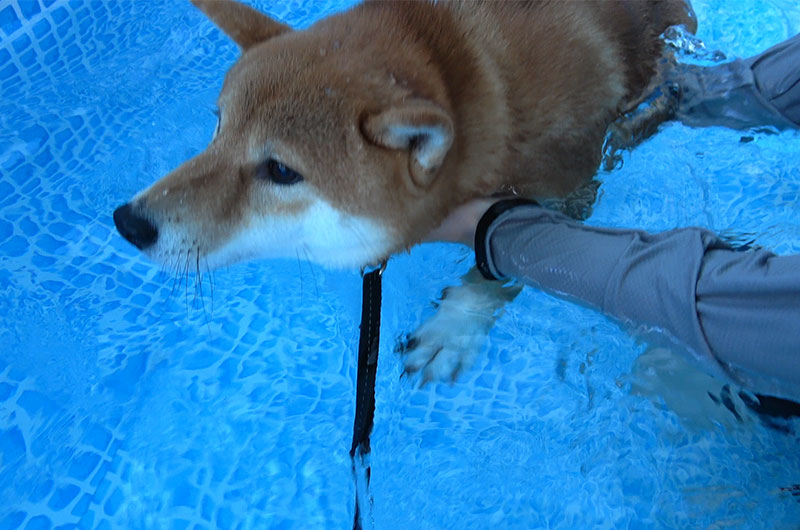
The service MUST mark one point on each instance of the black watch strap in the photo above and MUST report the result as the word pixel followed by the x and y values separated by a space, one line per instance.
pixel 481 244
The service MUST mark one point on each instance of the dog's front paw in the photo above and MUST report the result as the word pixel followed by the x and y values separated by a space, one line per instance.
pixel 448 342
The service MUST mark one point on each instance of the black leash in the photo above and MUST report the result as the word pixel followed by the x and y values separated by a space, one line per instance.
pixel 368 344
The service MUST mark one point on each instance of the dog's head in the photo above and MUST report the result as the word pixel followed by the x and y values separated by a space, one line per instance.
pixel 328 144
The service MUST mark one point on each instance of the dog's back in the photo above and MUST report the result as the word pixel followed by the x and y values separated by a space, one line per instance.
pixel 552 74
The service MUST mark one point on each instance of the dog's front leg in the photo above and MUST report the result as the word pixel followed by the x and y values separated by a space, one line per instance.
pixel 449 341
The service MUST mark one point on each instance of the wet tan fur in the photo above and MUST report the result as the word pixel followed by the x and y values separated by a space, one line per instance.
pixel 529 89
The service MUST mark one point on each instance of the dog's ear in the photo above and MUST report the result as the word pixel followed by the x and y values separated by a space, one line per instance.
pixel 246 26
pixel 423 129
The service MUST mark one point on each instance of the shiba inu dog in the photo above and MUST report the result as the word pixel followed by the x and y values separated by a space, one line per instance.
pixel 353 139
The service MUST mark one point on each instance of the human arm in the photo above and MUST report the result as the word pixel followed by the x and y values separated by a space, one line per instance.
pixel 759 91
pixel 738 310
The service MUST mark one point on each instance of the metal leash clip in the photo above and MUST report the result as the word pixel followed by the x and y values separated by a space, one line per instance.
pixel 369 269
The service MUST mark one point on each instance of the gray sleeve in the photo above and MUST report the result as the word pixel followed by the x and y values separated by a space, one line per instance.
pixel 759 91
pixel 739 311
pixel 777 74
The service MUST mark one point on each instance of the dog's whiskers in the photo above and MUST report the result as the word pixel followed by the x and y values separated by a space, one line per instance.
pixel 211 284
pixel 311 266
pixel 176 279
pixel 185 274
pixel 198 285
pixel 299 270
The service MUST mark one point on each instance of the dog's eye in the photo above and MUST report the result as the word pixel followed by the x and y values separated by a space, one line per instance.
pixel 277 173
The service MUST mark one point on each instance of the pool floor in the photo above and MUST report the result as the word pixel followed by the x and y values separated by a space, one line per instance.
pixel 134 398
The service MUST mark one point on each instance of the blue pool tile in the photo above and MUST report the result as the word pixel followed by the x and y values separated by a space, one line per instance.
pixel 30 188
pixel 6 228
pixel 207 508
pixel 76 122
pixel 16 374
pixel 68 41
pixel 61 229
pixel 41 490
pixel 199 360
pixel 62 136
pixel 185 495
pixel 6 189
pixel 48 42
pixel 129 280
pixel 28 227
pixel 50 244
pixel 9 84
pixel 100 475
pixel 44 157
pixel 140 300
pixel 8 71
pixel 54 286
pixel 12 445
pixel 122 293
pixel 9 22
pixel 35 73
pixel 73 51
pixel 13 160
pixel 12 520
pixel 96 436
pixel 83 280
pixel 81 506
pixel 35 403
pixel 84 25
pixel 225 518
pixel 28 58
pixel 133 316
pixel 42 28
pixel 51 57
pixel 59 204
pixel 115 445
pixel 21 43
pixel 6 391
pixel 123 381
pixel 101 491
pixel 9 201
pixel 82 465
pixel 40 522
pixel 63 496
pixel 28 8
pixel 60 14
pixel 87 521
pixel 35 136
pixel 113 502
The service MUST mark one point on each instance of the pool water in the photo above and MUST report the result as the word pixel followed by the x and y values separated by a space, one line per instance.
pixel 127 401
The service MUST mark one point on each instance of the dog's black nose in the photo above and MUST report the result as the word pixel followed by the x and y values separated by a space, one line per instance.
pixel 134 227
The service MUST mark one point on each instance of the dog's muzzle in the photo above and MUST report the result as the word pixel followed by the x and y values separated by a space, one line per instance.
pixel 134 227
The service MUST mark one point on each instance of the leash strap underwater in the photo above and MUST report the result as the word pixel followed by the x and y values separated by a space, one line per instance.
pixel 368 344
